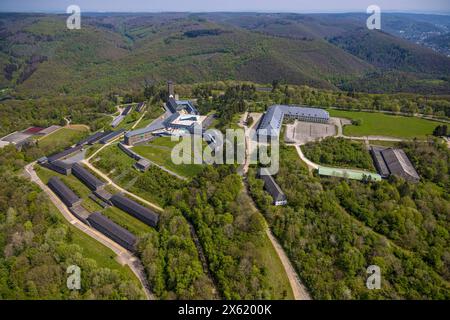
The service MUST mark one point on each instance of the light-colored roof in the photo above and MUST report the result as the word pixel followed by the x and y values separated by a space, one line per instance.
pixel 273 118
pixel 16 137
pixel 398 163
pixel 50 129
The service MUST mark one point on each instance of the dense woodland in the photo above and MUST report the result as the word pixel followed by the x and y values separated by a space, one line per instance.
pixel 345 226
pixel 20 114
pixel 171 260
pixel 231 233
pixel 339 152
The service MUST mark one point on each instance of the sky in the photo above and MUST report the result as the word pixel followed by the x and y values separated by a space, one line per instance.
pixel 301 6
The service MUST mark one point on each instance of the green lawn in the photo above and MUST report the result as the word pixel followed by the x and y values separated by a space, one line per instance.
pixel 275 270
pixel 380 124
pixel 130 223
pixel 159 151
pixel 62 138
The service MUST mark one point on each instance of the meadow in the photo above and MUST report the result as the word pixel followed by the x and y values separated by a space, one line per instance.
pixel 380 124
pixel 159 151
pixel 61 137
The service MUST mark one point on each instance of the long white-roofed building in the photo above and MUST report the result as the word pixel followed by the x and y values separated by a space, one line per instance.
pixel 270 125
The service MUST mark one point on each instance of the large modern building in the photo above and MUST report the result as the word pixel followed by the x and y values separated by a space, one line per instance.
pixel 177 105
pixel 184 122
pixel 270 125
pixel 270 185
pixel 137 136
pixel 91 181
pixel 66 195
pixel 392 161
pixel 135 209
pixel 112 230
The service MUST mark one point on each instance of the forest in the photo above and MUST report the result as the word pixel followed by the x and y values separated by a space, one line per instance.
pixel 231 233
pixel 341 227
pixel 339 152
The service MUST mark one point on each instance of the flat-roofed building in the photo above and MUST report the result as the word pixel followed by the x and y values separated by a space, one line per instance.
pixel 33 130
pixel 143 164
pixel 129 152
pixel 91 181
pixel 67 196
pixel 184 121
pixel 270 124
pixel 112 230
pixel 111 136
pixel 103 195
pixel 270 185
pixel 80 213
pixel 49 130
pixel 117 120
pixel 135 209
pixel 64 154
pixel 17 137
pixel 127 110
pixel 138 136
pixel 140 107
pixel 59 166
pixel 92 138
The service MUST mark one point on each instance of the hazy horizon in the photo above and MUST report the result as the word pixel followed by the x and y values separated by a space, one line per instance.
pixel 198 6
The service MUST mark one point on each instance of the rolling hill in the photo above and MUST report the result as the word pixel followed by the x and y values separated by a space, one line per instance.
pixel 39 56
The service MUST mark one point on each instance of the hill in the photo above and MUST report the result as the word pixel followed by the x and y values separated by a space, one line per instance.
pixel 42 57
pixel 39 56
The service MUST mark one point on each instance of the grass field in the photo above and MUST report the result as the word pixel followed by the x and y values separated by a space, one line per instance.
pixel 275 270
pixel 159 151
pixel 380 124
pixel 62 138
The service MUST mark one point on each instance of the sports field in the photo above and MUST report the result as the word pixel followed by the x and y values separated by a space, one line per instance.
pixel 380 124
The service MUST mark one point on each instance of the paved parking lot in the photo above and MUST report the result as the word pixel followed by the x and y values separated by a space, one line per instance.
pixel 301 132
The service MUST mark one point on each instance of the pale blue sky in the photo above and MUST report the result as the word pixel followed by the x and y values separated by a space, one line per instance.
pixel 442 6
